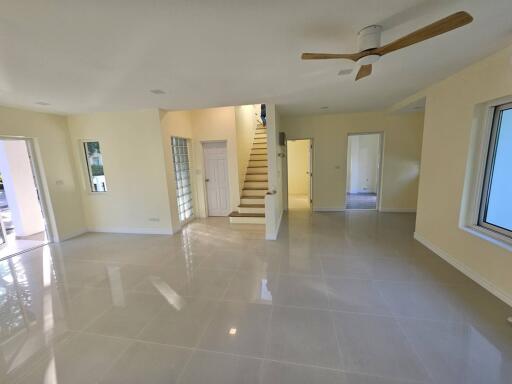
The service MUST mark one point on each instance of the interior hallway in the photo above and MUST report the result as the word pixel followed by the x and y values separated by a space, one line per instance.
pixel 325 303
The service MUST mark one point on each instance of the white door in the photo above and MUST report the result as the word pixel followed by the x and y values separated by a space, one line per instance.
pixel 216 178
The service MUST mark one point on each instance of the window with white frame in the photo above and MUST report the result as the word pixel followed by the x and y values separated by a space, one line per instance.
pixel 495 208
pixel 182 163
pixel 94 162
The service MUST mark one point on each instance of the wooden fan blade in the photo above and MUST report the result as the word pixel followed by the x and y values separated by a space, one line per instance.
pixel 447 24
pixel 325 56
pixel 364 71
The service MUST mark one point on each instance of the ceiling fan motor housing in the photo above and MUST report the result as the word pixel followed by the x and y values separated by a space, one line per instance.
pixel 369 38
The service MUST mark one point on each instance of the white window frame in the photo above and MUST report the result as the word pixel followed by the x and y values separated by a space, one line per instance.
pixel 481 151
pixel 87 167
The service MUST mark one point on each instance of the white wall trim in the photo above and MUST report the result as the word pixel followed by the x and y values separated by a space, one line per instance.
pixel 70 236
pixel 475 276
pixel 275 234
pixel 398 210
pixel 327 209
pixel 136 231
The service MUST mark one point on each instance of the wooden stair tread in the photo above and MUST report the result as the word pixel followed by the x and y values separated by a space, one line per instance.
pixel 251 206
pixel 256 181
pixel 254 189
pixel 252 197
pixel 238 214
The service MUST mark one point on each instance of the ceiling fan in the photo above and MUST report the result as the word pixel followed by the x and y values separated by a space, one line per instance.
pixel 370 49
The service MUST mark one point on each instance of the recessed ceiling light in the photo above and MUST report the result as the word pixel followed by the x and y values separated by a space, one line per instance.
pixel 232 331
pixel 157 92
pixel 43 103
pixel 324 108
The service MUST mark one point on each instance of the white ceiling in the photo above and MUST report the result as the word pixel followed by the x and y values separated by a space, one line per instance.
pixel 96 55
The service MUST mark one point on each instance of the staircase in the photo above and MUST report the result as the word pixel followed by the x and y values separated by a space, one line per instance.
pixel 252 201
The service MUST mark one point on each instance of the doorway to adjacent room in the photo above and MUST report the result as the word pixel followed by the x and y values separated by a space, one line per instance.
pixel 363 170
pixel 300 173
pixel 22 210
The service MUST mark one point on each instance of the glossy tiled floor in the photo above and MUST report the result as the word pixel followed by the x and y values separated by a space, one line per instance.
pixel 339 298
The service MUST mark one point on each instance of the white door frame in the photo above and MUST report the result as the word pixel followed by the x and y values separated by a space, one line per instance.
pixel 41 184
pixel 205 189
pixel 379 173
pixel 311 155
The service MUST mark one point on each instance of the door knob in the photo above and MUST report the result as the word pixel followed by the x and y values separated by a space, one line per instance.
pixel 207 180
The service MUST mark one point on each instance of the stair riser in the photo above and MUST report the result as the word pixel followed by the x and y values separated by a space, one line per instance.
pixel 250 177
pixel 247 220
pixel 252 201
pixel 256 184
pixel 251 210
pixel 258 163
pixel 255 192
pixel 251 171
pixel 258 157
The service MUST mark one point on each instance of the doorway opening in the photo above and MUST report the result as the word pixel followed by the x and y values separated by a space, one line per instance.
pixel 363 170
pixel 300 173
pixel 23 221
pixel 215 154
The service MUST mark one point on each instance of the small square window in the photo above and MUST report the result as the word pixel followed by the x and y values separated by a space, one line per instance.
pixel 94 161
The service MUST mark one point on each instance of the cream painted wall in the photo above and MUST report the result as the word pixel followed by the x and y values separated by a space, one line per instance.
pixel 402 145
pixel 52 147
pixel 274 202
pixel 298 164
pixel 213 124
pixel 245 120
pixel 449 119
pixel 131 143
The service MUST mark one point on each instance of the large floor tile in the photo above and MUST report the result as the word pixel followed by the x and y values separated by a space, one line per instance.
pixel 84 358
pixel 181 325
pixel 148 363
pixel 128 315
pixel 217 368
pixel 460 353
pixel 284 373
pixel 376 345
pixel 423 300
pixel 238 328
pixel 301 291
pixel 253 287
pixel 356 295
pixel 303 336
pixel 209 283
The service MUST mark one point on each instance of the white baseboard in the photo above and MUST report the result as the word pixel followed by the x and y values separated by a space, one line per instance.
pixel 275 234
pixel 70 236
pixel 398 210
pixel 475 276
pixel 324 209
pixel 135 231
